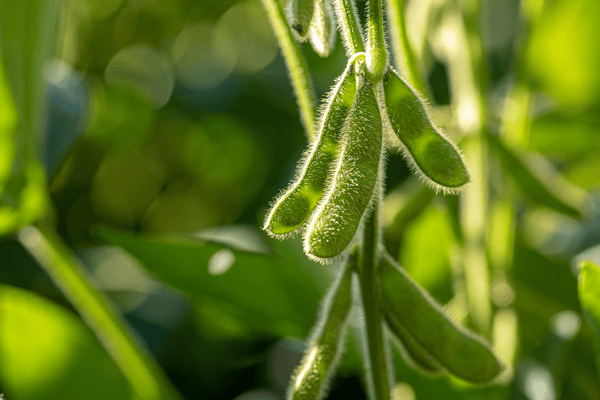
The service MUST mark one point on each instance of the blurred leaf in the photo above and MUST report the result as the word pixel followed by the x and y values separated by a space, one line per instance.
pixel 566 137
pixel 48 353
pixel 552 279
pixel 563 52
pixel 585 172
pixel 267 290
pixel 118 115
pixel 27 38
pixel 66 108
pixel 8 124
pixel 401 206
pixel 589 296
pixel 28 204
pixel 425 250
pixel 532 185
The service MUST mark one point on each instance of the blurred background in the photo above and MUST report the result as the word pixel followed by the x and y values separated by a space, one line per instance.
pixel 163 118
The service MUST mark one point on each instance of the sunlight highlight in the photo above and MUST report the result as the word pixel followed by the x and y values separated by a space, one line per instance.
pixel 307 365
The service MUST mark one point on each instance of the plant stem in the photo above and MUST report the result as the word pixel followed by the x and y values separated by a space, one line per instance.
pixel 349 26
pixel 377 374
pixel 404 57
pixel 147 380
pixel 296 63
pixel 376 48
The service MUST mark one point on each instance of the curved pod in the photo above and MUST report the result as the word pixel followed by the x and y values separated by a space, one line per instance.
pixel 296 204
pixel 456 349
pixel 323 352
pixel 338 217
pixel 413 350
pixel 323 30
pixel 425 148
pixel 300 14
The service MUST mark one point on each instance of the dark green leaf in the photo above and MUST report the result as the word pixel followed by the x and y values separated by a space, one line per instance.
pixel 267 289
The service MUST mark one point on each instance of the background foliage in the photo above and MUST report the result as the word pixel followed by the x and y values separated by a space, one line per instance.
pixel 162 119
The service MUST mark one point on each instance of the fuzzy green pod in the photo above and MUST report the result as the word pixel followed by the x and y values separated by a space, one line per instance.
pixel 413 350
pixel 337 219
pixel 323 32
pixel 294 207
pixel 425 148
pixel 324 349
pixel 459 351
pixel 300 14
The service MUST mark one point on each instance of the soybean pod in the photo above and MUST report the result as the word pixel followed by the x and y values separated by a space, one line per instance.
pixel 459 351
pixel 414 351
pixel 312 376
pixel 300 13
pixel 323 30
pixel 425 148
pixel 337 219
pixel 296 204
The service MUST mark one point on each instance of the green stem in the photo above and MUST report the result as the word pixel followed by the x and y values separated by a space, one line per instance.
pixel 349 26
pixel 377 374
pixel 147 380
pixel 296 64
pixel 404 57
pixel 376 48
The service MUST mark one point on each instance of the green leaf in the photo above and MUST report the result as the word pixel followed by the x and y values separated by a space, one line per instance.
pixel 8 124
pixel 27 38
pixel 534 186
pixel 48 353
pixel 269 290
pixel 589 297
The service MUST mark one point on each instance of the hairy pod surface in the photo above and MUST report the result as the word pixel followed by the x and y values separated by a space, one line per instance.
pixel 338 217
pixel 424 147
pixel 414 351
pixel 297 203
pixel 300 14
pixel 456 349
pixel 323 352
pixel 323 32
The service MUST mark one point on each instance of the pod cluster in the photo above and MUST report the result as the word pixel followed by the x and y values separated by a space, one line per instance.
pixel 335 184
pixel 337 178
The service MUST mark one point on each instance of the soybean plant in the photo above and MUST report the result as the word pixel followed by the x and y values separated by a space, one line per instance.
pixel 335 199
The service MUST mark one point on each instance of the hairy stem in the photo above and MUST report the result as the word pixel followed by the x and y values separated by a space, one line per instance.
pixel 377 374
pixel 349 26
pixel 404 58
pixel 376 48
pixel 146 378
pixel 296 63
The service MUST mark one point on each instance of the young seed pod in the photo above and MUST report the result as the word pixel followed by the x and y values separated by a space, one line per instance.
pixel 300 14
pixel 294 207
pixel 323 30
pixel 428 152
pixel 416 354
pixel 323 351
pixel 459 351
pixel 337 219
